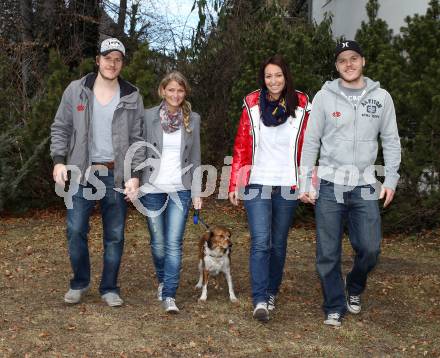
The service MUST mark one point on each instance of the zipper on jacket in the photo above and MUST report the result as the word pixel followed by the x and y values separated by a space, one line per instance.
pixel 74 142
pixel 355 109
pixel 87 118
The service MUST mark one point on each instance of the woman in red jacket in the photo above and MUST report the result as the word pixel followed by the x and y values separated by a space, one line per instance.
pixel 264 174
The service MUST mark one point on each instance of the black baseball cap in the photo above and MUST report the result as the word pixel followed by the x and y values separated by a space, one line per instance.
pixel 348 45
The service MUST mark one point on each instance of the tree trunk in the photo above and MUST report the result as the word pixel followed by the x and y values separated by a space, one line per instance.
pixel 26 18
pixel 122 16
pixel 26 50
pixel 133 20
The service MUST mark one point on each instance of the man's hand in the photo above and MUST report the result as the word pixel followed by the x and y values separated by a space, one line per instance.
pixel 197 203
pixel 131 189
pixel 388 194
pixel 233 198
pixel 308 197
pixel 60 174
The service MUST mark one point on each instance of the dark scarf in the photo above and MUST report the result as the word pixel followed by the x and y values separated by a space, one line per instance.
pixel 273 113
pixel 170 122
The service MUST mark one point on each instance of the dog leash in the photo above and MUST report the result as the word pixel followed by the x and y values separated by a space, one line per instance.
pixel 197 218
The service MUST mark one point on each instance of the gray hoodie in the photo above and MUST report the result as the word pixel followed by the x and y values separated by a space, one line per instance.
pixel 347 138
pixel 71 132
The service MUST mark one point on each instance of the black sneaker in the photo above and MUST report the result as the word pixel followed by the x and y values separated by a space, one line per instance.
pixel 353 301
pixel 354 304
pixel 333 319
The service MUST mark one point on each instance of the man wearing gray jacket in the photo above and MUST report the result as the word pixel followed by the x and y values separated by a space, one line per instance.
pixel 348 115
pixel 99 117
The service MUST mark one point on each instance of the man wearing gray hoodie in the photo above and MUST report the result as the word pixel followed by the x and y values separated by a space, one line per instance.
pixel 348 116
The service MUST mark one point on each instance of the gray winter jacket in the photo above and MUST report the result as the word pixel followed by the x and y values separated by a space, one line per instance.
pixel 347 138
pixel 189 150
pixel 71 131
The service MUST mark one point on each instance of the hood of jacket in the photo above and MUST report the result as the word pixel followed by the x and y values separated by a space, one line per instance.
pixel 128 91
pixel 333 86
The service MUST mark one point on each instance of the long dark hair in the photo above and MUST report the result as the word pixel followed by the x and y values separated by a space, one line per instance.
pixel 289 92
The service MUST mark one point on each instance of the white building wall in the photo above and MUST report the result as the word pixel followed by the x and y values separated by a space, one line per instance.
pixel 348 14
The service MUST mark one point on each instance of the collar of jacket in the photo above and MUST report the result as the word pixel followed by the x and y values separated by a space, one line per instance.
pixel 333 86
pixel 125 87
pixel 253 99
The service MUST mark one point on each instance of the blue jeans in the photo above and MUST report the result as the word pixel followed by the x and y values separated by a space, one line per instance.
pixel 270 213
pixel 357 207
pixel 113 213
pixel 166 224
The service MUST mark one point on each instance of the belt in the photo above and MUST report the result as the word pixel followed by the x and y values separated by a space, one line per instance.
pixel 109 165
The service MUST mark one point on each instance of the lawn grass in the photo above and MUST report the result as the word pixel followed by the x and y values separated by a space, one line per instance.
pixel 400 316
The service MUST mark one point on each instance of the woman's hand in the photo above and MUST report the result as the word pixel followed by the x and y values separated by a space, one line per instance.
pixel 131 189
pixel 233 197
pixel 197 203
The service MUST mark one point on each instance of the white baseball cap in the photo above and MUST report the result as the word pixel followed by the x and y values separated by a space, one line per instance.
pixel 112 44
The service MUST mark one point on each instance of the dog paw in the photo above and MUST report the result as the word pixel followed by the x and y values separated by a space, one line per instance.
pixel 202 299
pixel 234 299
pixel 199 285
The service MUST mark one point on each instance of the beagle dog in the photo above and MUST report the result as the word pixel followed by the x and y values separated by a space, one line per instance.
pixel 215 257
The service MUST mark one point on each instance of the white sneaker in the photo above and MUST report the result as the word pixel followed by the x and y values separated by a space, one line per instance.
pixel 169 305
pixel 159 291
pixel 333 319
pixel 112 299
pixel 261 312
pixel 74 296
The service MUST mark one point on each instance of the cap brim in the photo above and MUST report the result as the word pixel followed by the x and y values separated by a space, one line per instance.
pixel 107 52
pixel 348 49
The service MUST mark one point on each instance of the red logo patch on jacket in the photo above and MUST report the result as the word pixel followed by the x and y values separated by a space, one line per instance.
pixel 336 114
pixel 80 107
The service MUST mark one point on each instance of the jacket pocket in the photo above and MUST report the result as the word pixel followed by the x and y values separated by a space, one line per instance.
pixel 366 153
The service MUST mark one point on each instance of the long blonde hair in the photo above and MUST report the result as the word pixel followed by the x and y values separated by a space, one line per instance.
pixel 182 81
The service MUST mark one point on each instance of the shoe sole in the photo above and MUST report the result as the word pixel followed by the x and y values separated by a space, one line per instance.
pixel 118 304
pixel 352 311
pixel 71 302
pixel 113 304
pixel 261 315
pixel 332 323
pixel 172 311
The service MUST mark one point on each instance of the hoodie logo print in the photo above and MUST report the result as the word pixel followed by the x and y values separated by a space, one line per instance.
pixel 80 107
pixel 336 114
pixel 371 109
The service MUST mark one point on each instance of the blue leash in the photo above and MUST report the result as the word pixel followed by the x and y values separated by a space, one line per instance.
pixel 197 218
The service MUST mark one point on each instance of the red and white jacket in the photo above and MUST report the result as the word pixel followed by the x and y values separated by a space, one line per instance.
pixel 248 137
